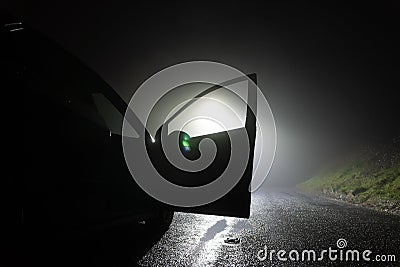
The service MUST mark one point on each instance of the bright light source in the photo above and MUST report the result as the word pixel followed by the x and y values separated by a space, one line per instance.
pixel 203 126
pixel 217 112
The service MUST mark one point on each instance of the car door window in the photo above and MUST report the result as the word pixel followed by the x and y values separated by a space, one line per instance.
pixel 112 117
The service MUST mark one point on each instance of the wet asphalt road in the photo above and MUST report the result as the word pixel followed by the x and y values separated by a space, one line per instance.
pixel 280 220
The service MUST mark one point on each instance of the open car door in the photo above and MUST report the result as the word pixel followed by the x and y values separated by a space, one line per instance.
pixel 195 119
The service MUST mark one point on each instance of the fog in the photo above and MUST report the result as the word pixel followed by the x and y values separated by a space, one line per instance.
pixel 328 72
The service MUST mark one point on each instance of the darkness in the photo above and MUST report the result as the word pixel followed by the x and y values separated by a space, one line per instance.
pixel 329 70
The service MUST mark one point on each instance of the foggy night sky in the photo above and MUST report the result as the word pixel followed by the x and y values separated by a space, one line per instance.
pixel 329 71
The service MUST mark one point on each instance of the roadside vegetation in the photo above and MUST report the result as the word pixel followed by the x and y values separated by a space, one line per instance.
pixel 370 177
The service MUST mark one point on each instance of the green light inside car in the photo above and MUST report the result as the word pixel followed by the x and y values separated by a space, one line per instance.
pixel 185 142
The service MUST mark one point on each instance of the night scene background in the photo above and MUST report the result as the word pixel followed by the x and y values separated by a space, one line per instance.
pixel 330 72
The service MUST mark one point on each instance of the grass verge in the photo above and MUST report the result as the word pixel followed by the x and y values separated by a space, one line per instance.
pixel 370 178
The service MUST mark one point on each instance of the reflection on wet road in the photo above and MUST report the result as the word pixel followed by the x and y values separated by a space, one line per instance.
pixel 279 220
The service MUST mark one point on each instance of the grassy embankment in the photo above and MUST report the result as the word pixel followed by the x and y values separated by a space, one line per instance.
pixel 370 178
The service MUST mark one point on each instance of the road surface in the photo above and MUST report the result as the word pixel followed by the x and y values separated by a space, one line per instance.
pixel 284 220
pixel 280 220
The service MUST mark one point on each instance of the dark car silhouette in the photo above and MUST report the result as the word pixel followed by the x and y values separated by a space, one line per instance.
pixel 72 172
